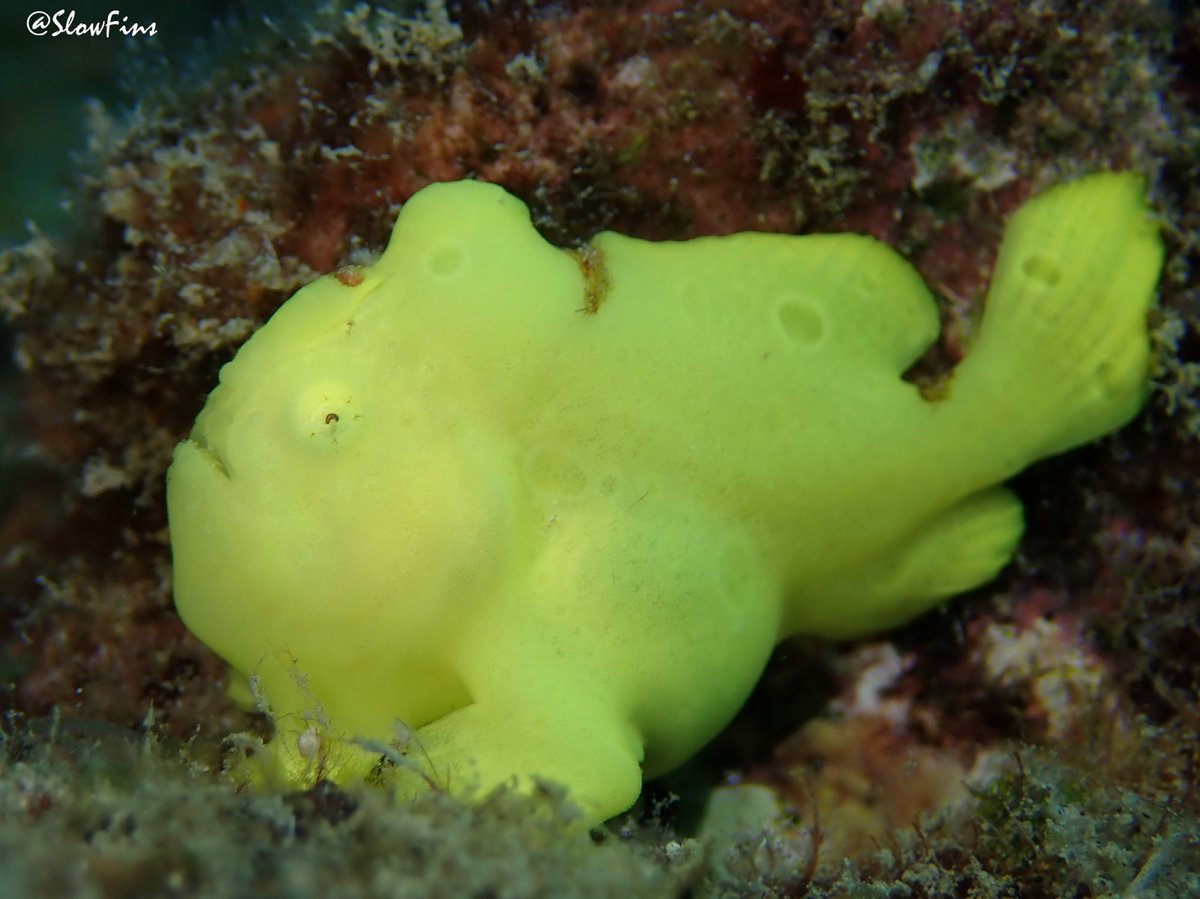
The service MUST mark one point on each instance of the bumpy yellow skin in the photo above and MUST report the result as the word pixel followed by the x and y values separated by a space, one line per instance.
pixel 553 510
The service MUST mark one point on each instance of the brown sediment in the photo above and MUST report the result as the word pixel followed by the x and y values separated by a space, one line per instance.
pixel 596 284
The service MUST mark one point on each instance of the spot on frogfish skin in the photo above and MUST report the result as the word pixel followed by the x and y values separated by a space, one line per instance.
pixel 446 261
pixel 552 471
pixel 1039 268
pixel 802 323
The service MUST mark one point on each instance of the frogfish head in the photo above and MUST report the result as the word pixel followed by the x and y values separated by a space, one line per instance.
pixel 329 503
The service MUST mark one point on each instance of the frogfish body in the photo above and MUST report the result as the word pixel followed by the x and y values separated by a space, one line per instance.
pixel 548 512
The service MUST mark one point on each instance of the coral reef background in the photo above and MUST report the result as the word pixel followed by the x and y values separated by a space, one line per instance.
pixel 1035 738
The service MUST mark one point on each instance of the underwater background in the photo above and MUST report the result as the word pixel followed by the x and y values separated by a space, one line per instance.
pixel 1035 738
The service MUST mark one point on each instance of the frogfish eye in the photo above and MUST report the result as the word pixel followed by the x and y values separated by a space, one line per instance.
pixel 328 416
